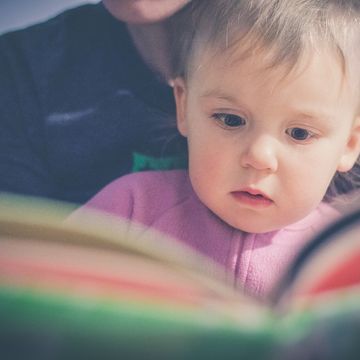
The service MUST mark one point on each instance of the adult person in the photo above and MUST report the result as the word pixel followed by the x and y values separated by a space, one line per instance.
pixel 84 99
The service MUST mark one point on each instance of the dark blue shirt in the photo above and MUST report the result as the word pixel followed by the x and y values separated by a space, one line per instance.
pixel 76 103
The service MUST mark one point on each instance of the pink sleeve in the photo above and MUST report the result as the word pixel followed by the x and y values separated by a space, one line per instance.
pixel 116 199
pixel 141 197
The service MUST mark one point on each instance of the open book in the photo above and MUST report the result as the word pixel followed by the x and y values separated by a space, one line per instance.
pixel 94 290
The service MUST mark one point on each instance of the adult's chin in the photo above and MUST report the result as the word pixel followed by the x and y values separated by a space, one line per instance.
pixel 143 11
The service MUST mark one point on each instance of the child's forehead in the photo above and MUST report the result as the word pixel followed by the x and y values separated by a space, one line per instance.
pixel 317 72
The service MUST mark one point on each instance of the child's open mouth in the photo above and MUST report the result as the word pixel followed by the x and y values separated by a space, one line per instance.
pixel 253 198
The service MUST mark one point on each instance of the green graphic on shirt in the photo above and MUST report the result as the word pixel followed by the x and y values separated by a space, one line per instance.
pixel 143 162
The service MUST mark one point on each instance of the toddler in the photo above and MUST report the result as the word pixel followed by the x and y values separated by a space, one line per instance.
pixel 267 95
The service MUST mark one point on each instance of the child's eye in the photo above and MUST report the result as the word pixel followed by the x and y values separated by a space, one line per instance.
pixel 299 134
pixel 229 120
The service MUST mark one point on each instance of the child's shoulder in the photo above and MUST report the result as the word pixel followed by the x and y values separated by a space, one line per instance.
pixel 144 195
pixel 129 195
pixel 152 179
pixel 147 184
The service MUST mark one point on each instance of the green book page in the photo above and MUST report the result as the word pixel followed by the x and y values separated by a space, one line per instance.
pixel 88 327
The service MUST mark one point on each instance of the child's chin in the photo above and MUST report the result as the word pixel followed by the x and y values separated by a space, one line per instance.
pixel 257 227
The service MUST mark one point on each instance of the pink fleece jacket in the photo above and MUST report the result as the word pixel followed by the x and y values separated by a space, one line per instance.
pixel 165 201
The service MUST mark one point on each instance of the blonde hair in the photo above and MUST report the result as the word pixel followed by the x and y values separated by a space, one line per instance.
pixel 287 27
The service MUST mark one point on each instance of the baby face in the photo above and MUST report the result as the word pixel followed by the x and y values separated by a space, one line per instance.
pixel 265 143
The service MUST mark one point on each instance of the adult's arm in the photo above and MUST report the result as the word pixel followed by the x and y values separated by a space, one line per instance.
pixel 22 168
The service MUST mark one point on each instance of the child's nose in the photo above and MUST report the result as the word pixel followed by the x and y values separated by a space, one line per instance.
pixel 260 154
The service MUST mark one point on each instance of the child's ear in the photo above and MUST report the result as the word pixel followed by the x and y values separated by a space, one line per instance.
pixel 352 150
pixel 180 99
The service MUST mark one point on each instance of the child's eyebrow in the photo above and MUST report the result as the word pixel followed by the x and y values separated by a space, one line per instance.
pixel 219 94
pixel 315 115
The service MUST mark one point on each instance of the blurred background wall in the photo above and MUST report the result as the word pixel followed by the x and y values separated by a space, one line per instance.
pixel 15 14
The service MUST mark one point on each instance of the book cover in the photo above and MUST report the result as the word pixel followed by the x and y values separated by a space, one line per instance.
pixel 92 289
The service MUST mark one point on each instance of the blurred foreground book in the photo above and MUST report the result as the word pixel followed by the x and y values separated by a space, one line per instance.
pixel 93 290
